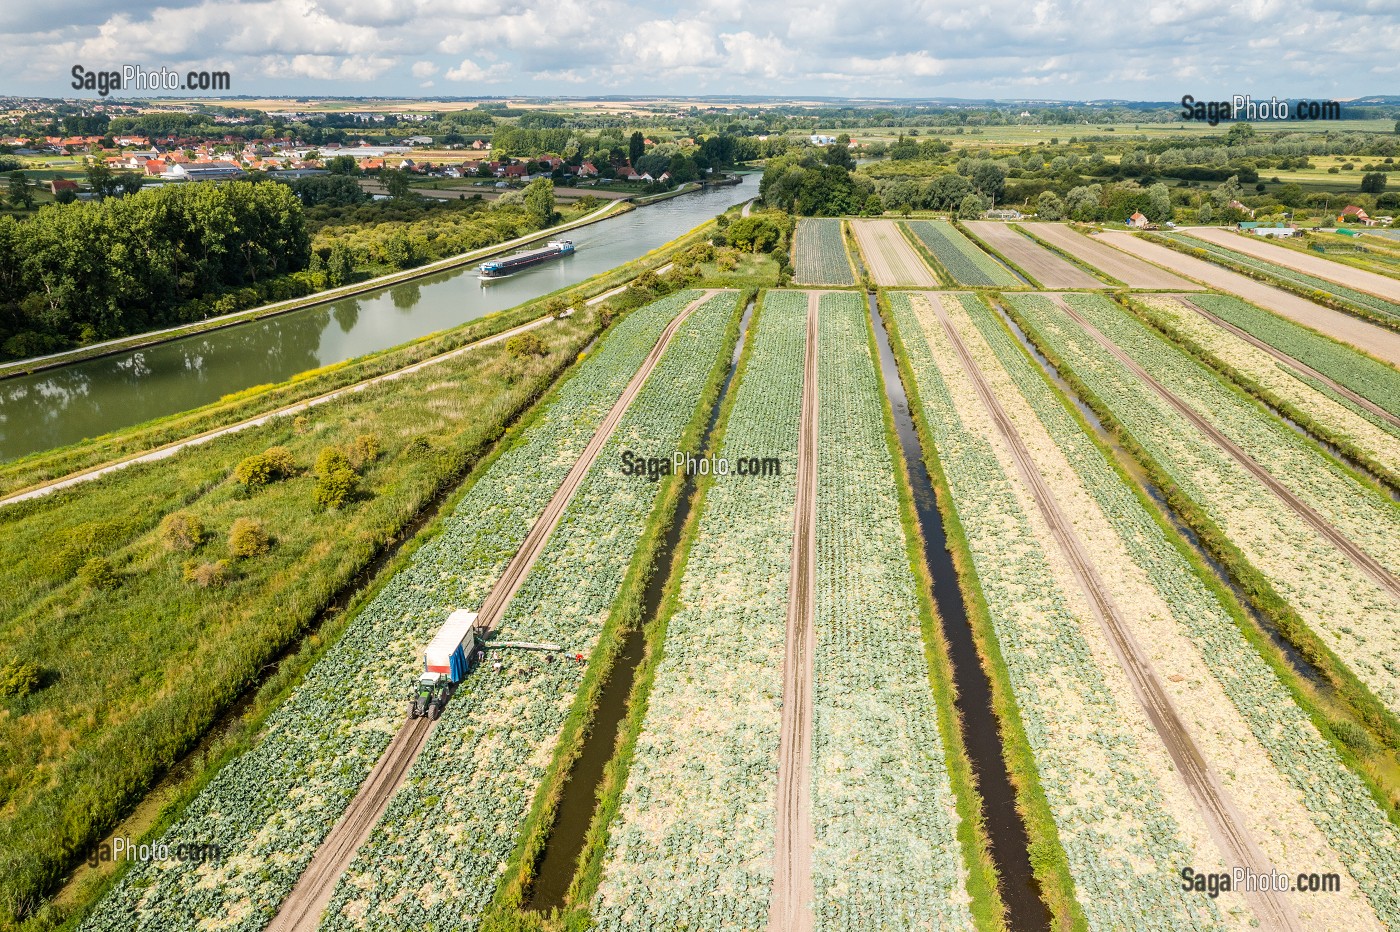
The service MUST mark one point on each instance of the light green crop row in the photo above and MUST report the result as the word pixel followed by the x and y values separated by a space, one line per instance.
pixel 692 844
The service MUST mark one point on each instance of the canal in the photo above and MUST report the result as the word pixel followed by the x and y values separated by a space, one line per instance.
pixel 86 399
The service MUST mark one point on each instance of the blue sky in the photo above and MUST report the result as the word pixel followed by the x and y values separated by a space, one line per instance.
pixel 1061 49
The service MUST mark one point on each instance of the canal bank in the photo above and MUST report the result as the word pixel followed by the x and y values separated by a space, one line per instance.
pixel 97 396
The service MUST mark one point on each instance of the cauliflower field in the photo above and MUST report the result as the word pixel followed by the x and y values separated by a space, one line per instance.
pixel 960 256
pixel 1367 305
pixel 1120 832
pixel 886 852
pixel 691 846
pixel 269 808
pixel 1346 608
pixel 1312 782
pixel 821 253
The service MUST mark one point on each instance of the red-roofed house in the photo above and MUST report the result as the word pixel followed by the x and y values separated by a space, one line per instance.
pixel 62 184
pixel 1137 220
pixel 1356 215
pixel 587 170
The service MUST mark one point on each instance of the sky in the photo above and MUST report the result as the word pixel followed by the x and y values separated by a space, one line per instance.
pixel 1007 49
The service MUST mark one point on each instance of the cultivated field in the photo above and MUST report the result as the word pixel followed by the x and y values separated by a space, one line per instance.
pixel 1129 270
pixel 1377 341
pixel 1312 264
pixel 273 805
pixel 889 257
pixel 704 772
pixel 820 253
pixel 1361 303
pixel 1329 409
pixel 967 264
pixel 1044 267
pixel 1321 539
pixel 1158 732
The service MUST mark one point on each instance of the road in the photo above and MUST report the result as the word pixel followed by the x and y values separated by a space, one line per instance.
pixel 790 910
pixel 1349 275
pixel 1226 824
pixel 1351 551
pixel 301 911
pixel 1042 265
pixel 1379 342
pixel 1287 360
pixel 1130 270
pixel 889 257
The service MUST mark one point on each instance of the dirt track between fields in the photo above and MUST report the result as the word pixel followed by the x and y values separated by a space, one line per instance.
pixel 1130 270
pixel 889 257
pixel 1226 824
pixel 790 909
pixel 1360 557
pixel 1287 360
pixel 1378 341
pixel 1349 275
pixel 1042 265
pixel 301 911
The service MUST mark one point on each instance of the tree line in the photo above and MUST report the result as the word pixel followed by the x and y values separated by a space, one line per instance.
pixel 82 272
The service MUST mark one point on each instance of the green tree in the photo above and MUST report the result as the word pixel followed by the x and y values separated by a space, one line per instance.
pixel 396 183
pixel 1239 134
pixel 636 147
pixel 102 180
pixel 19 194
pixel 1159 203
pixel 971 207
pixel 1373 182
pixel 340 266
pixel 539 202
pixel 343 165
pixel 1049 206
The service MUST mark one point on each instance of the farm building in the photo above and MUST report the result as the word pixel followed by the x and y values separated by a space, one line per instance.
pixel 1137 220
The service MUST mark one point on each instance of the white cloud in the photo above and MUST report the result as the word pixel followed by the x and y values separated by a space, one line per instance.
pixel 469 70
pixel 424 69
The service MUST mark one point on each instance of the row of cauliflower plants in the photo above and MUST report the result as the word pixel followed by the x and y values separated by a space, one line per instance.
pixel 691 846
pixel 1367 304
pixel 886 850
pixel 1121 841
pixel 960 256
pixel 435 859
pixel 1337 802
pixel 1338 602
pixel 1368 438
pixel 821 253
pixel 1357 509
pixel 268 809
pixel 1365 375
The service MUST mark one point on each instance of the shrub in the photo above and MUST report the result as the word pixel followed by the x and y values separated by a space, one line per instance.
pixel 207 575
pixel 248 538
pixel 336 481
pixel 366 450
pixel 181 531
pixel 301 424
pixel 259 469
pixel 19 678
pixel 98 573
pixel 526 344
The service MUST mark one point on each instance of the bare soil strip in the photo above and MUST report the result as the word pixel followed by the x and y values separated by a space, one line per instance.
pixel 1380 285
pixel 1379 342
pixel 1130 270
pixel 1354 553
pixel 791 907
pixel 301 911
pixel 1050 270
pixel 1226 824
pixel 1353 397
pixel 890 258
